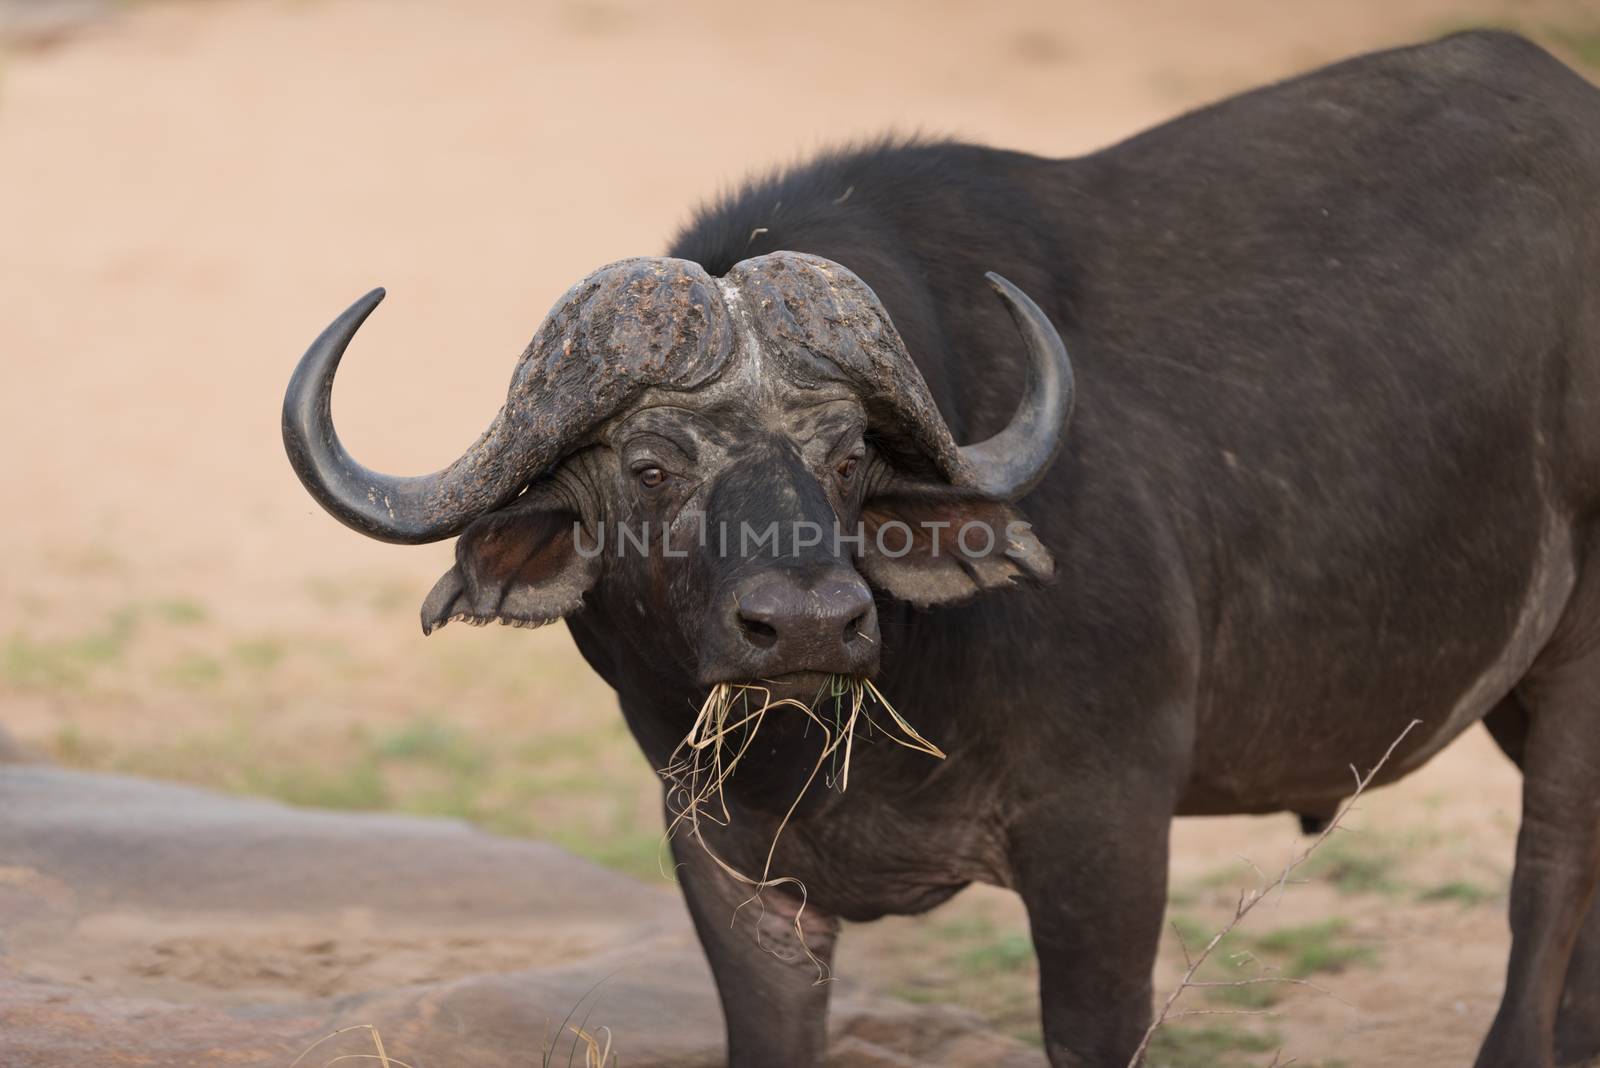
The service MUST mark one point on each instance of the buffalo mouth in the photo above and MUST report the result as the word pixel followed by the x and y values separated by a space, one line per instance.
pixel 830 707
pixel 807 686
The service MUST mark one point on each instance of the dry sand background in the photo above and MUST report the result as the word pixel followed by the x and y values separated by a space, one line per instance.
pixel 189 191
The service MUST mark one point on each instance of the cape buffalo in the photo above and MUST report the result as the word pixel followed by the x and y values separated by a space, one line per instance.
pixel 1334 466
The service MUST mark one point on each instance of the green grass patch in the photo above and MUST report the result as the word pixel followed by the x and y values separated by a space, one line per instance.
pixel 260 653
pixel 640 853
pixel 1191 932
pixel 970 960
pixel 572 746
pixel 27 664
pixel 1225 882
pixel 1007 953
pixel 965 928
pixel 1298 952
pixel 1356 864
pixel 70 746
pixel 1209 1046
pixel 360 786
pixel 193 670
pixel 1461 891
pixel 442 745
pixel 1581 42
pixel 1314 948
pixel 180 611
pixel 977 948
pixel 74 662
pixel 69 663
pixel 425 766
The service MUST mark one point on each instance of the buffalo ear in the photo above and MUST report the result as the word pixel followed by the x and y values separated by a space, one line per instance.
pixel 519 565
pixel 940 549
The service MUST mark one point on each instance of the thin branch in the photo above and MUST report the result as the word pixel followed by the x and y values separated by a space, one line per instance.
pixel 1248 900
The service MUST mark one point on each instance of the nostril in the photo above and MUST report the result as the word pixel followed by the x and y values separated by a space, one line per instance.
pixel 807 623
pixel 759 634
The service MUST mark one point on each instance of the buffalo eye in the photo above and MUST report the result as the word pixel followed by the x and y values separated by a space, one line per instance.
pixel 847 468
pixel 651 477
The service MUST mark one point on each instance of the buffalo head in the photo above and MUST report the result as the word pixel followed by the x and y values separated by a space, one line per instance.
pixel 729 462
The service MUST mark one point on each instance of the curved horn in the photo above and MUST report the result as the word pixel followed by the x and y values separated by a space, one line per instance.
pixel 406 510
pixel 1012 462
pixel 632 325
pixel 819 315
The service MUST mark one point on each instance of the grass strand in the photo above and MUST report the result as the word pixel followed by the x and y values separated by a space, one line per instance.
pixel 722 734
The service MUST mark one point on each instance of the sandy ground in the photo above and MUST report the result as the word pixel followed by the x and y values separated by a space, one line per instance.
pixel 189 191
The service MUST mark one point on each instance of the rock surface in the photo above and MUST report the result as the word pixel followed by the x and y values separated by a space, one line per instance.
pixel 143 923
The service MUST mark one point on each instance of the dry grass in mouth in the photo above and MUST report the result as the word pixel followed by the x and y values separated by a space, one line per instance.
pixel 722 734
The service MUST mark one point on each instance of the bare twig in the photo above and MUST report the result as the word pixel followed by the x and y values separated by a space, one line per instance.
pixel 1248 900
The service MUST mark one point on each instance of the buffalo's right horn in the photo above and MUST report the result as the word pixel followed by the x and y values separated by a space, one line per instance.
pixel 409 510
pixel 630 326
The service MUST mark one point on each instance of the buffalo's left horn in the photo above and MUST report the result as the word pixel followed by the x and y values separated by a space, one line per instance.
pixel 408 510
pixel 1012 462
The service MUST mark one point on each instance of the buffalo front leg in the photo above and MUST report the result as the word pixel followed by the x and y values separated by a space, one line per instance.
pixel 773 1002
pixel 1094 880
pixel 1558 861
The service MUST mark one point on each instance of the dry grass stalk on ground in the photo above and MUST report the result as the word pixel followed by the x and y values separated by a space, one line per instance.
pixel 1248 900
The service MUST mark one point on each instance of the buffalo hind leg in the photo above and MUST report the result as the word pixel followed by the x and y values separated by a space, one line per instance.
pixel 1558 857
pixel 1094 881
pixel 1578 1017
pixel 773 1004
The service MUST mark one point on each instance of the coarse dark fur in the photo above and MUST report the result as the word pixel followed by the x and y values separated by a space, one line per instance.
pixel 1334 467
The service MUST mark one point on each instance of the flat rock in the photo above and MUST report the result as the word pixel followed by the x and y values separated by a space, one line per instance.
pixel 145 923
